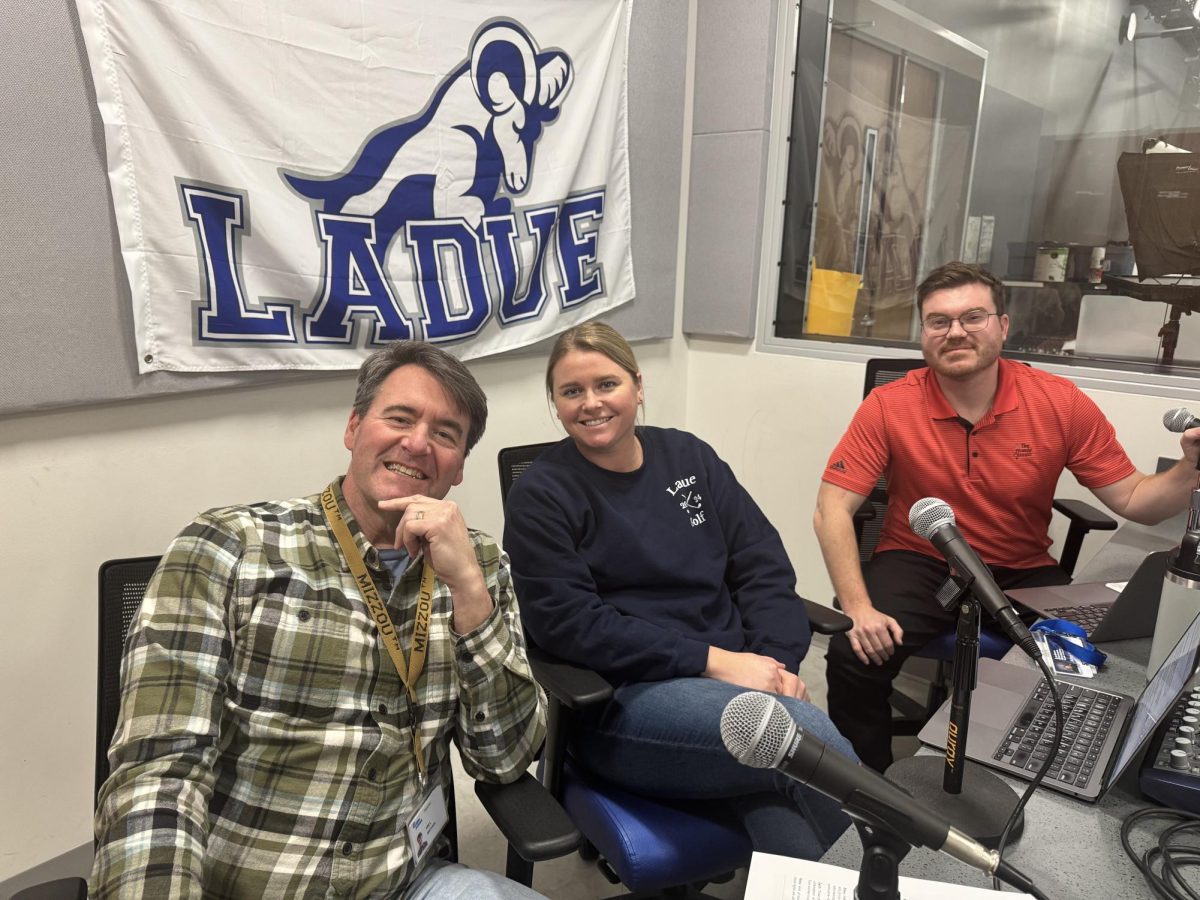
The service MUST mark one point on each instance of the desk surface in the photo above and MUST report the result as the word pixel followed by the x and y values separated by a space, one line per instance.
pixel 1070 848
pixel 1119 558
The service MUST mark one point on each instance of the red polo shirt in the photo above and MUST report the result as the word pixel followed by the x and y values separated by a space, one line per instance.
pixel 999 477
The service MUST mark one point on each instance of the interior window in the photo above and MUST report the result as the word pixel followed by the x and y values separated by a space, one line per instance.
pixel 1009 134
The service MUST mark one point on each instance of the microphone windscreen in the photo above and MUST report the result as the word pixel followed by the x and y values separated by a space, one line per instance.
pixel 928 515
pixel 1178 420
pixel 756 729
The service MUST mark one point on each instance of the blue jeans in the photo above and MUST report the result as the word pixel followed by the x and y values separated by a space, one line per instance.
pixel 663 739
pixel 441 880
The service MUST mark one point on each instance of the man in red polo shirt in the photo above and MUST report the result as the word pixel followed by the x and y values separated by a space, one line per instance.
pixel 991 438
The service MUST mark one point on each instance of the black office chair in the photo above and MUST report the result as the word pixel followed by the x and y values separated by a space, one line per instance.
pixel 653 847
pixel 122 584
pixel 533 823
pixel 1083 518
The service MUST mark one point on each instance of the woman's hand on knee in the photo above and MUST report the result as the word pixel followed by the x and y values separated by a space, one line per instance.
pixel 748 670
pixel 792 686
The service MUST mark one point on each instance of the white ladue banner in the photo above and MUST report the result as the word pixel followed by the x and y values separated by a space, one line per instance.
pixel 298 183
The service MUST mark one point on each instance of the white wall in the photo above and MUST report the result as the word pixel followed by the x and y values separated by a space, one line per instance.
pixel 87 485
pixel 775 419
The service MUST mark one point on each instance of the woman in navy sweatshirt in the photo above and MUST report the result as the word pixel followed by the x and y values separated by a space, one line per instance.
pixel 636 552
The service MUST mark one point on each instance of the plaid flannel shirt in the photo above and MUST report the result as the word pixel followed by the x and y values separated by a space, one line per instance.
pixel 264 745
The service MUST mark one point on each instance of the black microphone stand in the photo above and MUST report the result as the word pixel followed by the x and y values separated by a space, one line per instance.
pixel 879 873
pixel 984 809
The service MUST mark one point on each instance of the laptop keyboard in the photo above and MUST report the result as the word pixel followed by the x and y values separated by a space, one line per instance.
pixel 1088 719
pixel 1088 617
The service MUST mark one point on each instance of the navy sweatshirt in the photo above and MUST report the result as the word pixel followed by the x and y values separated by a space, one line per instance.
pixel 636 574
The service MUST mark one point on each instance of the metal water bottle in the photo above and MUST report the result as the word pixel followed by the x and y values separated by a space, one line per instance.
pixel 1181 591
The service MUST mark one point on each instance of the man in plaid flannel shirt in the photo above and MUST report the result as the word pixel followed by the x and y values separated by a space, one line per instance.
pixel 266 744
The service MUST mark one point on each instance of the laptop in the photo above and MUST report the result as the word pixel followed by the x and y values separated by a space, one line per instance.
pixel 1103 613
pixel 1012 719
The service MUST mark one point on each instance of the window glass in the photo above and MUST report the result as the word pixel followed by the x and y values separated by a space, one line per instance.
pixel 1009 134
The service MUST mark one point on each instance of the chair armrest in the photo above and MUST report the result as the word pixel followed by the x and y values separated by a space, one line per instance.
pixel 62 889
pixel 569 689
pixel 574 687
pixel 1083 518
pixel 1085 515
pixel 865 512
pixel 531 820
pixel 825 619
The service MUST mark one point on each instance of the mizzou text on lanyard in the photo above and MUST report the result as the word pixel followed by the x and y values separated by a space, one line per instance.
pixel 410 672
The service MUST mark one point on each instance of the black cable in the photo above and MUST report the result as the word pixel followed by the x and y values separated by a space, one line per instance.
pixel 1019 880
pixel 1059 717
pixel 1170 856
pixel 1175 857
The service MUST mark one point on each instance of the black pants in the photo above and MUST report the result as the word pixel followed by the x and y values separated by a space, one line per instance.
pixel 903 585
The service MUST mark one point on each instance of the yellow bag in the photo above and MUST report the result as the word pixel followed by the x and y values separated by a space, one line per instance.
pixel 831 301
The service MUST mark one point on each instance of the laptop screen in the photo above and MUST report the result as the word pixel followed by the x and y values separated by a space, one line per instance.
pixel 1158 696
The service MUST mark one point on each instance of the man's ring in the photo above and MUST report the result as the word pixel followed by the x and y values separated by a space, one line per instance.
pixel 420 514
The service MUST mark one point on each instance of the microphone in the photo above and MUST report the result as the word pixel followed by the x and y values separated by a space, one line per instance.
pixel 759 732
pixel 1179 420
pixel 933 519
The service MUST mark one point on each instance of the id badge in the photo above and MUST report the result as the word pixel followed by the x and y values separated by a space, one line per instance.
pixel 427 824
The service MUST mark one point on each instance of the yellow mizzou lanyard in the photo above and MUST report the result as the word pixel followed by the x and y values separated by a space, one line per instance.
pixel 410 672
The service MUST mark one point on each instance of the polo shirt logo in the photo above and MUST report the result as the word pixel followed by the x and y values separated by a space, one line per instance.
pixel 1022 451
pixel 838 466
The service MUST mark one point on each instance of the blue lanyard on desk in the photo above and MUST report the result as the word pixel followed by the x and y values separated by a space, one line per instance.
pixel 1058 629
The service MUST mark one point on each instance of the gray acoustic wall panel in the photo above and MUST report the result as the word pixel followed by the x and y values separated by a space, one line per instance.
pixel 735 43
pixel 724 233
pixel 657 77
pixel 67 337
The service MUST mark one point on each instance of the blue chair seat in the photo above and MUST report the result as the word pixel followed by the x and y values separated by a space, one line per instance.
pixel 654 844
pixel 992 645
pixel 913 714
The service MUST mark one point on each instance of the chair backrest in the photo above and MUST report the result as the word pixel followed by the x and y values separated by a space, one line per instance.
pixel 880 372
pixel 514 461
pixel 123 582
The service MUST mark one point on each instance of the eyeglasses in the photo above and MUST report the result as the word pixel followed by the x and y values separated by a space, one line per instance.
pixel 971 320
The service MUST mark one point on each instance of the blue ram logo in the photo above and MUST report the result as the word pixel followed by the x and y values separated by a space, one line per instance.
pixel 478 130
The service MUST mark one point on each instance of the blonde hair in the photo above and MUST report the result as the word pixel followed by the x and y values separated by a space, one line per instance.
pixel 598 338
